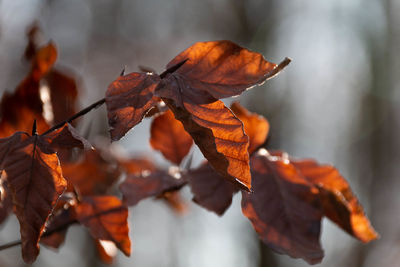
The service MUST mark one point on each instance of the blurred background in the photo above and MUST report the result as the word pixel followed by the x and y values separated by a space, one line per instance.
pixel 338 102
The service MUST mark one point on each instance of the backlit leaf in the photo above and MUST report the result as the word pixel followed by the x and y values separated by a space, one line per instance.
pixel 170 138
pixel 220 137
pixel 339 202
pixel 256 127
pixel 107 219
pixel 128 99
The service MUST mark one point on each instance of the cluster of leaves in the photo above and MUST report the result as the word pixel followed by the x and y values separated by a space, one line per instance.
pixel 49 188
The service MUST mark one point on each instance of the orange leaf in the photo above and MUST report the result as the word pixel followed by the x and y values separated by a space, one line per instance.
pixel 256 127
pixel 92 175
pixel 220 137
pixel 170 138
pixel 128 99
pixel 339 203
pixel 107 219
pixel 105 250
pixel 284 208
pixel 210 189
pixel 219 69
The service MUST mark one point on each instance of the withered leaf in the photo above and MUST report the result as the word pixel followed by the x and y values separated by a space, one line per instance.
pixel 57 228
pixel 66 137
pixel 216 70
pixel 284 209
pixel 175 202
pixel 338 201
pixel 107 219
pixel 210 189
pixel 220 137
pixel 170 138
pixel 92 175
pixel 35 181
pixel 63 94
pixel 6 201
pixel 256 127
pixel 128 99
pixel 138 187
pixel 136 165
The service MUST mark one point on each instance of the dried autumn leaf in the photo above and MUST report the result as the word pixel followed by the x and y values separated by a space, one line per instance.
pixel 216 70
pixel 136 165
pixel 66 137
pixel 220 137
pixel 284 209
pixel 210 189
pixel 44 59
pixel 107 219
pixel 92 175
pixel 36 182
pixel 256 127
pixel 63 94
pixel 138 187
pixel 175 201
pixel 338 201
pixel 106 250
pixel 57 228
pixel 128 99
pixel 170 138
pixel 6 201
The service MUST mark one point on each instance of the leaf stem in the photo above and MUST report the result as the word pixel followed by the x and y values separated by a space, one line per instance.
pixel 76 115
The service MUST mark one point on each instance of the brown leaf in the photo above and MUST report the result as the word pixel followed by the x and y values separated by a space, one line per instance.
pixel 220 137
pixel 219 69
pixel 66 137
pixel 210 189
pixel 175 201
pixel 138 187
pixel 58 225
pixel 128 99
pixel 170 138
pixel 256 127
pixel 338 201
pixel 35 180
pixel 92 175
pixel 6 201
pixel 107 219
pixel 284 208
pixel 63 94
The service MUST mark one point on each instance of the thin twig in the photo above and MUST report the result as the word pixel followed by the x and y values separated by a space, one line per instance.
pixel 76 115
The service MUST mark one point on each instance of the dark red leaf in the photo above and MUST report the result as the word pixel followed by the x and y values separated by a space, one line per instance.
pixel 66 137
pixel 58 226
pixel 138 187
pixel 107 219
pixel 284 209
pixel 128 99
pixel 36 182
pixel 256 127
pixel 210 189
pixel 170 138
